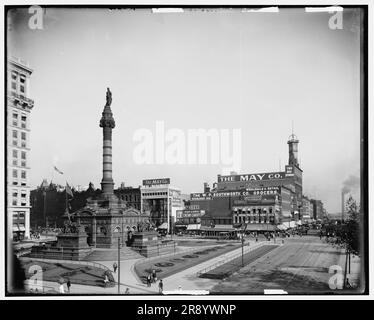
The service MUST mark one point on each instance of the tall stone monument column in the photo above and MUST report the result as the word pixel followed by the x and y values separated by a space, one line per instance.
pixel 107 123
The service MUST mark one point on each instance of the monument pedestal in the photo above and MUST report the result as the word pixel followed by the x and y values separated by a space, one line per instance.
pixel 69 246
pixel 147 244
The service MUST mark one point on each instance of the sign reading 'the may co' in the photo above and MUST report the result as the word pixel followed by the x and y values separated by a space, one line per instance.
pixel 252 177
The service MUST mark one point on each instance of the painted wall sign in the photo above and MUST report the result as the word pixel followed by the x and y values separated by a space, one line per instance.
pixel 252 177
pixel 239 193
pixel 152 182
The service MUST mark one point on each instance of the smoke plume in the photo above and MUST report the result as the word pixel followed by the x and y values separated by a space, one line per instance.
pixel 352 182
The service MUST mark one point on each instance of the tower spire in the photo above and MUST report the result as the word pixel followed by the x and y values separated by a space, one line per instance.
pixel 292 127
pixel 293 149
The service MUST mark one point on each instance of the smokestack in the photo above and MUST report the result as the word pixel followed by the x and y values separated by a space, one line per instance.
pixel 343 193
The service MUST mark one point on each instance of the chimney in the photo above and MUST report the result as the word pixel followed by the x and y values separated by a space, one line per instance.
pixel 206 187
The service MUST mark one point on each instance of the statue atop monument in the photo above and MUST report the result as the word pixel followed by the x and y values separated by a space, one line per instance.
pixel 108 97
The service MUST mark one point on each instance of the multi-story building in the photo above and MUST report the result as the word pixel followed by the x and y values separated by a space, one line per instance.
pixel 130 195
pixel 161 202
pixel 318 209
pixel 19 107
pixel 306 210
pixel 261 201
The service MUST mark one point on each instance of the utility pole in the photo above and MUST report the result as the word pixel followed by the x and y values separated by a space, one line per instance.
pixel 119 265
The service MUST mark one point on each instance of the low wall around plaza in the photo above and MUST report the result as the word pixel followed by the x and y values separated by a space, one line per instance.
pixel 153 250
pixel 61 253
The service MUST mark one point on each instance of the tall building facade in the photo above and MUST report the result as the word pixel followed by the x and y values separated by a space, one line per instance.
pixel 161 202
pixel 19 107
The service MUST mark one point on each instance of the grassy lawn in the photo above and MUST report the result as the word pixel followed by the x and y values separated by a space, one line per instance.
pixel 167 266
pixel 227 269
pixel 78 274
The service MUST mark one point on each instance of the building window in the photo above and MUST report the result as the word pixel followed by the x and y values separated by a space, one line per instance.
pixel 15 116
pixel 23 135
pixel 15 175
pixel 14 202
pixel 15 134
pixel 15 154
pixel 23 174
pixel 15 142
pixel 15 194
pixel 22 89
pixel 23 144
pixel 23 123
pixel 14 86
pixel 23 155
pixel 23 79
pixel 23 163
pixel 15 162
pixel 23 195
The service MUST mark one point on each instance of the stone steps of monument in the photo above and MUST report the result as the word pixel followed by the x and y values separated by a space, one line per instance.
pixel 112 255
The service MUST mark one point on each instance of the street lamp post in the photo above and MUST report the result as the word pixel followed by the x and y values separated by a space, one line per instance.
pixel 119 265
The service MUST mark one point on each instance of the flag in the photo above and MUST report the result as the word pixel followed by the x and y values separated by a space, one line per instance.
pixel 68 190
pixel 59 171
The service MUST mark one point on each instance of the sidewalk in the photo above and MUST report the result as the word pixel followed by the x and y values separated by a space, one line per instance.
pixel 188 279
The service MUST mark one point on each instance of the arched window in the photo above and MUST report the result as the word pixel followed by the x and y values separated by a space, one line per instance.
pixel 117 229
pixel 102 230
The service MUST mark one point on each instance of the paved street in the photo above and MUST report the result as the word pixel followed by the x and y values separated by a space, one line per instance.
pixel 300 266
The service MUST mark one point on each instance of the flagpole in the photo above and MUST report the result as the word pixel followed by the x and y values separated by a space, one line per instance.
pixel 66 199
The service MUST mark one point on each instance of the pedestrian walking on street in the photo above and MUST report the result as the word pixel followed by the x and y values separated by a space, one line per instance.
pixel 127 291
pixel 68 284
pixel 154 276
pixel 160 286
pixel 149 279
pixel 61 288
pixel 115 267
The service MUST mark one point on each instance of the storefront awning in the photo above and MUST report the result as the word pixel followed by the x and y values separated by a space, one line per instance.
pixel 194 227
pixel 163 226
pixel 260 227
pixel 22 229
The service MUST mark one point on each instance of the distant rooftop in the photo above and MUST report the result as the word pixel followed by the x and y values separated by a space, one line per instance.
pixel 18 61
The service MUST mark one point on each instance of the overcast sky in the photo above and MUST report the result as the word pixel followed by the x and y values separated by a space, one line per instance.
pixel 256 72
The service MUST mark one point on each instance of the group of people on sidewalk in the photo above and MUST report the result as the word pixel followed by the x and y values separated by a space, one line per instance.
pixel 152 278
pixel 61 288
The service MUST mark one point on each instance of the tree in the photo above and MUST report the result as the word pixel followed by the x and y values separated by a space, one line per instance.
pixel 347 234
pixel 350 230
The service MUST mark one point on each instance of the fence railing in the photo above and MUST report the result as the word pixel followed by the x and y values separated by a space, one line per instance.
pixel 33 288
pixel 149 259
pixel 77 262
pixel 231 256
